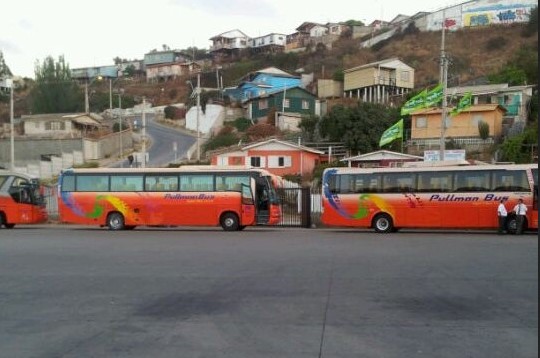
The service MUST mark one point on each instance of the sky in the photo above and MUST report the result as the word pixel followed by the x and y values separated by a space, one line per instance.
pixel 93 33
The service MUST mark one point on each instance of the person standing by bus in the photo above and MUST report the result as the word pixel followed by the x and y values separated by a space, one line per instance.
pixel 501 213
pixel 520 210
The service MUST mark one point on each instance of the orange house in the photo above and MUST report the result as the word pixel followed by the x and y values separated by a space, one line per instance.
pixel 426 124
pixel 277 156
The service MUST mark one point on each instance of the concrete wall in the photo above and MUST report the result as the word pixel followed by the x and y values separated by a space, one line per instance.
pixel 27 150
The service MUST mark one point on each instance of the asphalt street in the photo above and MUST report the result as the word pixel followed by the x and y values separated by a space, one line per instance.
pixel 70 291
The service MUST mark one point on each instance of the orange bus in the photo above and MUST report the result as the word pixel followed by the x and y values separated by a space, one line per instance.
pixel 123 198
pixel 464 197
pixel 21 200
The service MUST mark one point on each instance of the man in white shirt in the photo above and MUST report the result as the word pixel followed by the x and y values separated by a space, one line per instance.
pixel 502 213
pixel 520 210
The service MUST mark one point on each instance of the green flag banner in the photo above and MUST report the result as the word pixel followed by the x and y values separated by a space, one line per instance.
pixel 414 103
pixel 464 103
pixel 434 96
pixel 392 133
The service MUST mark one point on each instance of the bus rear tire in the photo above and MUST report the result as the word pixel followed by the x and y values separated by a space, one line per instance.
pixel 230 222
pixel 2 219
pixel 115 221
pixel 383 223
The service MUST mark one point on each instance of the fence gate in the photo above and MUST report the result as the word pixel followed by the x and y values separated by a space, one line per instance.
pixel 295 205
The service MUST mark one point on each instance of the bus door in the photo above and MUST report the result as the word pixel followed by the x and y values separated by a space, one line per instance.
pixel 262 200
pixel 22 195
pixel 248 206
pixel 534 211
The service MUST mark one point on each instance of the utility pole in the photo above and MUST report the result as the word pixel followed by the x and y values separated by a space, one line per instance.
pixel 143 160
pixel 120 127
pixel 443 81
pixel 198 119
pixel 86 101
pixel 8 83
pixel 110 95
pixel 11 126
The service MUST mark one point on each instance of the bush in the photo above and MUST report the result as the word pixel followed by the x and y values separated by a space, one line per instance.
pixel 496 43
pixel 170 112
pixel 221 140
pixel 241 124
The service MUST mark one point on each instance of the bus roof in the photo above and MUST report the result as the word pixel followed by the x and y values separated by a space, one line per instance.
pixel 24 175
pixel 346 170
pixel 182 169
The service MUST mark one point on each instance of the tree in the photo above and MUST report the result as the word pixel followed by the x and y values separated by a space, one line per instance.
pixel 5 72
pixel 360 127
pixel 517 149
pixel 483 130
pixel 54 90
pixel 308 125
pixel 4 69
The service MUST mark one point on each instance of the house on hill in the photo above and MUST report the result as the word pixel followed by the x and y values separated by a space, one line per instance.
pixel 385 81
pixel 380 158
pixel 228 45
pixel 277 156
pixel 62 125
pixel 462 128
pixel 272 89
pixel 271 43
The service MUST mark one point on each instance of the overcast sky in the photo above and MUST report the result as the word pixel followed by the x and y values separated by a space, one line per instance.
pixel 92 33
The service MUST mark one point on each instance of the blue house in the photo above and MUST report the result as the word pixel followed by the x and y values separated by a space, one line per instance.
pixel 264 82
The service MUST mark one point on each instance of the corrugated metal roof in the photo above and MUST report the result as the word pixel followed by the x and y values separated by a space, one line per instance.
pixel 381 155
pixel 475 108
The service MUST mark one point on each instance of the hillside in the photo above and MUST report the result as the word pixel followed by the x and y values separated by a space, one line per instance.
pixel 474 54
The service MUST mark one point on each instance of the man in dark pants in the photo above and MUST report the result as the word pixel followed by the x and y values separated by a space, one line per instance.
pixel 520 210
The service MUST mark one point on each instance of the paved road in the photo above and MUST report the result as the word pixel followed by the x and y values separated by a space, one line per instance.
pixel 161 151
pixel 163 292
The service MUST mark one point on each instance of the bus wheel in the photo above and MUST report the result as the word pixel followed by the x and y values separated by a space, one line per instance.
pixel 383 223
pixel 229 222
pixel 9 226
pixel 115 221
pixel 2 219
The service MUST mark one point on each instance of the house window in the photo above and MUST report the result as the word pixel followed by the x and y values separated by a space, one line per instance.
pixel 421 122
pixel 405 75
pixel 263 104
pixel 286 103
pixel 305 104
pixel 255 162
pixel 54 126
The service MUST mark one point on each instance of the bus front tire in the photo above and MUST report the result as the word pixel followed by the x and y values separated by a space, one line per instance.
pixel 383 223
pixel 230 222
pixel 115 221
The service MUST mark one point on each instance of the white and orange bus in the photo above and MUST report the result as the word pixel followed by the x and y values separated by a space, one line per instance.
pixel 21 200
pixel 187 196
pixel 458 197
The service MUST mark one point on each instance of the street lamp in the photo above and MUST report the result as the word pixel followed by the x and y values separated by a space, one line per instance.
pixel 87 97
pixel 120 92
pixel 8 83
